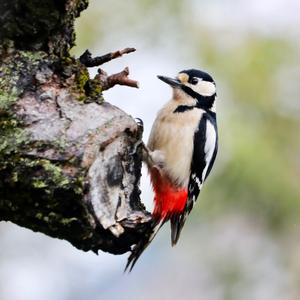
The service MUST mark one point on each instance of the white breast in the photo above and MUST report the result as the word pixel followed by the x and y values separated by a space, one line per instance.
pixel 173 135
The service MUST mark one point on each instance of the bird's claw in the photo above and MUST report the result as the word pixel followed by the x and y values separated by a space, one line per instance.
pixel 139 122
pixel 135 146
pixel 140 125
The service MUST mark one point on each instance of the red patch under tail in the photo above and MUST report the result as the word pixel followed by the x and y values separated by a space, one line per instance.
pixel 169 205
pixel 169 200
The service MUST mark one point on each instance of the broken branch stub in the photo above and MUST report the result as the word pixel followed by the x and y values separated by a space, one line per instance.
pixel 109 81
pixel 121 78
pixel 89 61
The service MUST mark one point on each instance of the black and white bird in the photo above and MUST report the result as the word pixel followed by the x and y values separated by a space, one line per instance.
pixel 181 151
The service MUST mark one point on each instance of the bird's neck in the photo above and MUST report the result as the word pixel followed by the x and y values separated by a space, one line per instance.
pixel 207 103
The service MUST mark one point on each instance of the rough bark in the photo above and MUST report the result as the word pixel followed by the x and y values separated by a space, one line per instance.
pixel 67 162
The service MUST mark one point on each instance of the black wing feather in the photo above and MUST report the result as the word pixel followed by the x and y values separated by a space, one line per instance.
pixel 196 178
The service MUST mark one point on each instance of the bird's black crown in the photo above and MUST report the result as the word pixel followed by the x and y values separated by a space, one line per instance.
pixel 198 73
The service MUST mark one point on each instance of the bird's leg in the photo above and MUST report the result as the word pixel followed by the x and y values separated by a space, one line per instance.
pixel 153 159
pixel 140 128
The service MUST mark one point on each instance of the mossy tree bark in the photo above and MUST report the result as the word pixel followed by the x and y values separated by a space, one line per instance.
pixel 66 167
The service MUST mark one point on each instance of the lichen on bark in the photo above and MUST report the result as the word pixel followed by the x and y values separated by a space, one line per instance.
pixel 66 167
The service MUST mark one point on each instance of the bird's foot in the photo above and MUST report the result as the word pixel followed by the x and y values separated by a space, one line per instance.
pixel 140 122
pixel 140 129
pixel 135 147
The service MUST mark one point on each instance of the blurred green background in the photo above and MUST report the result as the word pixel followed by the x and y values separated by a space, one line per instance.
pixel 242 238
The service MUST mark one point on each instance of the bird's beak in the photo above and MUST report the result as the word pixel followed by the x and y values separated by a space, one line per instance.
pixel 170 81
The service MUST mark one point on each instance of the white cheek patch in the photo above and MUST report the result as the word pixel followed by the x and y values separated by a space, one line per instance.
pixel 205 88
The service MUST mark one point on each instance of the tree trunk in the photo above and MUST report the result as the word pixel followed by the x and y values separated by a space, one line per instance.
pixel 68 163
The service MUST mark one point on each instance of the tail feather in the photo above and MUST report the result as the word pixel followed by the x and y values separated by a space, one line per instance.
pixel 170 203
pixel 177 222
pixel 141 246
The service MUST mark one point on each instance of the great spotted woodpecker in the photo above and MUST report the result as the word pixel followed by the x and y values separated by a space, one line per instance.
pixel 181 151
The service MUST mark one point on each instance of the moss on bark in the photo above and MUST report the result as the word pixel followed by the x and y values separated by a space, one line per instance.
pixel 60 144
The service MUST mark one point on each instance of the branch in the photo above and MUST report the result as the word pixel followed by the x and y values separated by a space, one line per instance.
pixel 121 78
pixel 87 59
pixel 66 167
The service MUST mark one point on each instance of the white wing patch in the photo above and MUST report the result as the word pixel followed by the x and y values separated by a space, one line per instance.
pixel 191 187
pixel 197 180
pixel 210 145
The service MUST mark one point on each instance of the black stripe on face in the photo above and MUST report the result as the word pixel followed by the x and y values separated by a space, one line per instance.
pixel 183 108
pixel 204 102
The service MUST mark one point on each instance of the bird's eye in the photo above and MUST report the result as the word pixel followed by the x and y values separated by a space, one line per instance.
pixel 194 80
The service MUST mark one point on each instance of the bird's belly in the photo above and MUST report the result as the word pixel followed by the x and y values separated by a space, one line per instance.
pixel 178 155
pixel 176 145
pixel 173 135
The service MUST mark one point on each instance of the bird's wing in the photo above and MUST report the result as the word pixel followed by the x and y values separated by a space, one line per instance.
pixel 205 151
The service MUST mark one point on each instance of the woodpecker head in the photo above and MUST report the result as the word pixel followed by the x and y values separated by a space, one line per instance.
pixel 194 84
